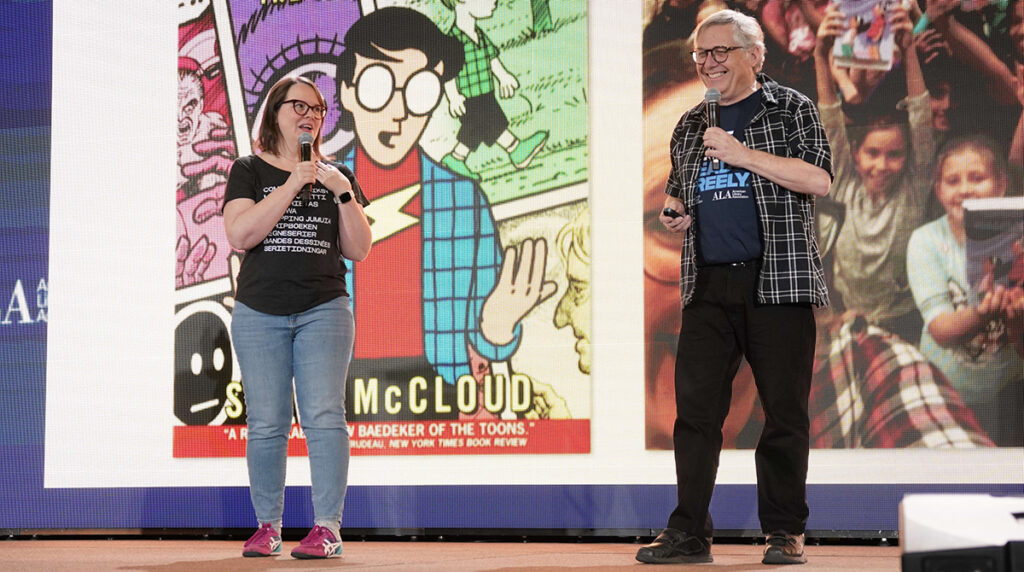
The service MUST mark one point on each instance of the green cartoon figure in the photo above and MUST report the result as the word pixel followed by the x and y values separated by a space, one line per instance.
pixel 471 94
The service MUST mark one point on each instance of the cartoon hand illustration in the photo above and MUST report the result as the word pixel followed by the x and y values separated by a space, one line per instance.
pixel 193 260
pixel 456 101
pixel 209 207
pixel 520 287
pixel 507 83
pixel 235 263
pixel 204 164
pixel 212 157
pixel 547 404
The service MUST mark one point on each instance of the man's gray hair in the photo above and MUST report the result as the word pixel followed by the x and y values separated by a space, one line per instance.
pixel 746 32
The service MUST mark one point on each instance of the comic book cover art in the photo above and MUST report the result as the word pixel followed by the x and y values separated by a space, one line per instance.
pixel 868 40
pixel 454 353
pixel 994 230
pixel 204 391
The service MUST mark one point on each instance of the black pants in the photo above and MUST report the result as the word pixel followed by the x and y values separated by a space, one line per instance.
pixel 483 122
pixel 721 324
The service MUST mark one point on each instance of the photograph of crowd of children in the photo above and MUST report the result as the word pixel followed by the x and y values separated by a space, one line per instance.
pixel 921 234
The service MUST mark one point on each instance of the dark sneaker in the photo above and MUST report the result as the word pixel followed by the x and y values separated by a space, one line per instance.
pixel 676 547
pixel 527 149
pixel 266 542
pixel 319 543
pixel 784 548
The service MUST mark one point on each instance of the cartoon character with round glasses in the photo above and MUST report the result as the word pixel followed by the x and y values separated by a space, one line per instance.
pixel 457 297
pixel 471 95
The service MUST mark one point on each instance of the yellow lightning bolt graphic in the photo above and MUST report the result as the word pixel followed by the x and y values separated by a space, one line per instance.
pixel 385 213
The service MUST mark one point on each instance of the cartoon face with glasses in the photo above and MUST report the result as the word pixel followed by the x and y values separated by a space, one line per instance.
pixel 387 93
pixel 391 74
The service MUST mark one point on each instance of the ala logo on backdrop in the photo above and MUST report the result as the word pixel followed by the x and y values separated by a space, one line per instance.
pixel 25 307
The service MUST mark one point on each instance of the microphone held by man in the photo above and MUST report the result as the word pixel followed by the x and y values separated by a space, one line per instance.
pixel 712 97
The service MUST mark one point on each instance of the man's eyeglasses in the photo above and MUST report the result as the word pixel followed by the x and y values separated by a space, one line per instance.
pixel 375 87
pixel 719 53
pixel 302 108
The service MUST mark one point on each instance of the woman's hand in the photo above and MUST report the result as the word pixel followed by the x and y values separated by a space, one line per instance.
pixel 303 174
pixel 332 178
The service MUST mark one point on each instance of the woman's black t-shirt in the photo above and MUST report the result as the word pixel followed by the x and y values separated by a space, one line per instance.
pixel 299 264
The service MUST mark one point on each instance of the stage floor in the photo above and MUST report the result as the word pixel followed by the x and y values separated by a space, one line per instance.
pixel 219 555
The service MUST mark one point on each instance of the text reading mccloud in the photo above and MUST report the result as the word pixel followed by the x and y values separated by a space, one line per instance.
pixel 517 391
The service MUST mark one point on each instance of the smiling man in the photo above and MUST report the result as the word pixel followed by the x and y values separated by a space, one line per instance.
pixel 750 275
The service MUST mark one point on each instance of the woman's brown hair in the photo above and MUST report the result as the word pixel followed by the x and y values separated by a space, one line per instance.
pixel 270 133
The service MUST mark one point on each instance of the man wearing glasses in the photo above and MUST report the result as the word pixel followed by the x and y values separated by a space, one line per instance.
pixel 750 274
pixel 436 270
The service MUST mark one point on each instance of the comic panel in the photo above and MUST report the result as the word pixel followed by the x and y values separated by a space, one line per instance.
pixel 205 388
pixel 473 309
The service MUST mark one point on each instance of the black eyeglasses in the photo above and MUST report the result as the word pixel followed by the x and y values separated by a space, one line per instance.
pixel 301 107
pixel 718 53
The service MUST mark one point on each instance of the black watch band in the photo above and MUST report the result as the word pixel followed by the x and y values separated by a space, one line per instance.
pixel 343 198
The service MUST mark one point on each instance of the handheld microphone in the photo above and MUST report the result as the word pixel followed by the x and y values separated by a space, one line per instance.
pixel 711 99
pixel 305 153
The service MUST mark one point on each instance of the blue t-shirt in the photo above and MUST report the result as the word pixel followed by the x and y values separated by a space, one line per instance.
pixel 727 227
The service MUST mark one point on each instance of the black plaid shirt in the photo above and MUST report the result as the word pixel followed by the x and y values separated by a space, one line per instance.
pixel 787 125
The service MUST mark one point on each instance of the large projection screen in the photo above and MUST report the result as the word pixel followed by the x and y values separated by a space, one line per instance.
pixel 95 207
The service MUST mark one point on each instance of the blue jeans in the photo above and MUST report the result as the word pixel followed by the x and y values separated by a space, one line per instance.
pixel 315 348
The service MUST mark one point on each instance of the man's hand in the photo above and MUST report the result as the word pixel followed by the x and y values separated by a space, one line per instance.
pixel 724 147
pixel 675 223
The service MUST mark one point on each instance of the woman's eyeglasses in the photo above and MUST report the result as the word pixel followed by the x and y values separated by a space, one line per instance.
pixel 302 108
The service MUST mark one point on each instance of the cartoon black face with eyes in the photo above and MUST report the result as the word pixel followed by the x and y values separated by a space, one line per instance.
pixel 202 368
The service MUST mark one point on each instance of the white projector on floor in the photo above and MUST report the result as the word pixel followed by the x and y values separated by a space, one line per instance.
pixel 962 533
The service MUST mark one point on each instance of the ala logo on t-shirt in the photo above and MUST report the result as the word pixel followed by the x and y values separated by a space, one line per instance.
pixel 723 183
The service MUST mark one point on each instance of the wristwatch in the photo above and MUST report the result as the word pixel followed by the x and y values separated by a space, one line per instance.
pixel 343 198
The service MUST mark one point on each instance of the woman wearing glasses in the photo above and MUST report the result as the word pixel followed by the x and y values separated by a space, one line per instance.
pixel 292 315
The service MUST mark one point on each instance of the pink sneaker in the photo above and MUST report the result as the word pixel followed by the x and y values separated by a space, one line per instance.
pixel 266 542
pixel 319 543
